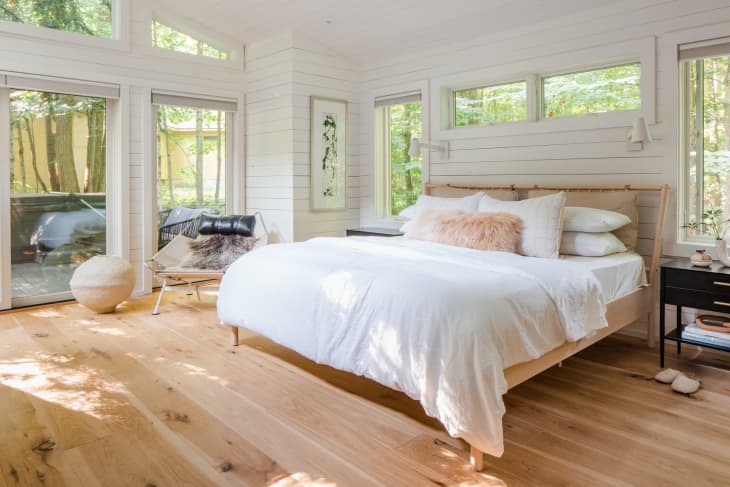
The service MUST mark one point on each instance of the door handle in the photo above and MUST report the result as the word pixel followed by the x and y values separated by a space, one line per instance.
pixel 722 303
pixel 720 283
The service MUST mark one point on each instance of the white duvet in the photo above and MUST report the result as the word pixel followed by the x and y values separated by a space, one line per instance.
pixel 438 322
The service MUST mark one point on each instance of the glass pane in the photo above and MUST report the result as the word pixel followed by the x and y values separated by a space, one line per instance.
pixel 191 155
pixel 707 158
pixel 596 91
pixel 168 38
pixel 89 17
pixel 405 123
pixel 491 104
pixel 58 181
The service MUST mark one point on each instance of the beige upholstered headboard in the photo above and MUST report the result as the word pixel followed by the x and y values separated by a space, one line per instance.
pixel 659 193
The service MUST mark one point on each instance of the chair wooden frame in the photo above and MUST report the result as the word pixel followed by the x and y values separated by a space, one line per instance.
pixel 620 312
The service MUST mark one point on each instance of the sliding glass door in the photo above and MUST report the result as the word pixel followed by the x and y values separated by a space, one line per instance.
pixel 57 170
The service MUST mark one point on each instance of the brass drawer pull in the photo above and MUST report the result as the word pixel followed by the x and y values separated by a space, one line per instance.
pixel 722 303
pixel 720 283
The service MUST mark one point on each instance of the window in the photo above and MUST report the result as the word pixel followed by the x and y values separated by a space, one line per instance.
pixel 490 105
pixel 705 123
pixel 165 37
pixel 400 177
pixel 193 138
pixel 602 90
pixel 54 180
pixel 88 17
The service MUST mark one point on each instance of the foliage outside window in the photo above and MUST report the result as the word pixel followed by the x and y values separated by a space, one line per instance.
pixel 611 89
pixel 402 175
pixel 165 37
pixel 490 105
pixel 191 157
pixel 707 138
pixel 88 17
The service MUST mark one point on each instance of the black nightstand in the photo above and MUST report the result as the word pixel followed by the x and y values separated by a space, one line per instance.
pixel 373 232
pixel 704 288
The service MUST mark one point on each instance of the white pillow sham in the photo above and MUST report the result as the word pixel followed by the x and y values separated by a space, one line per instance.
pixel 541 222
pixel 590 244
pixel 467 204
pixel 592 220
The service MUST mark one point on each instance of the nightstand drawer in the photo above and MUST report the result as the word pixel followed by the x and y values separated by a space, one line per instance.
pixel 709 282
pixel 697 299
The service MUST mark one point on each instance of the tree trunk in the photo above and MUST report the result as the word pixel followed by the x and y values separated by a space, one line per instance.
pixel 67 176
pixel 49 120
pixel 96 150
pixel 21 155
pixel 199 157
pixel 162 114
pixel 219 160
pixel 34 160
pixel 199 148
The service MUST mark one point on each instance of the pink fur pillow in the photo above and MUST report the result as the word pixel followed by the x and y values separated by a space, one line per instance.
pixel 480 231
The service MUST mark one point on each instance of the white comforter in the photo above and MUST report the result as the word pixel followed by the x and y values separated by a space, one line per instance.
pixel 437 322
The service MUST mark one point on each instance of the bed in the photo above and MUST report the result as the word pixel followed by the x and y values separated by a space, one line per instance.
pixel 452 327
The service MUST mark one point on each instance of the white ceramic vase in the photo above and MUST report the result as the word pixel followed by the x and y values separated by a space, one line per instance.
pixel 102 282
pixel 721 247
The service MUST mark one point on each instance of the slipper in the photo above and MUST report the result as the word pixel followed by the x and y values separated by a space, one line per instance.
pixel 667 376
pixel 685 385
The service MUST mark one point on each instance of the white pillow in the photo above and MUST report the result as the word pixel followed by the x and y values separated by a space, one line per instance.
pixel 466 204
pixel 590 244
pixel 579 219
pixel 541 222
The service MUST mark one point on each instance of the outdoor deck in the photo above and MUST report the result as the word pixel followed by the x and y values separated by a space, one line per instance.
pixel 32 279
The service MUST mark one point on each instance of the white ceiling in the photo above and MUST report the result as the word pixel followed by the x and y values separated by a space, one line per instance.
pixel 364 29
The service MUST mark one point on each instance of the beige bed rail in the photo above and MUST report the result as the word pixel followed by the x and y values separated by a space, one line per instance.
pixel 656 252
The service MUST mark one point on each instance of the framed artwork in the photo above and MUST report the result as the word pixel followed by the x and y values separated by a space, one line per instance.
pixel 328 154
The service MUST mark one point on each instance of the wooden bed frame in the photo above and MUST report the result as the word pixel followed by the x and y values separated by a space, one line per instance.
pixel 620 313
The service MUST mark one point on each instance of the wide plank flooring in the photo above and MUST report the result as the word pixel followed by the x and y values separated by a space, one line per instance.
pixel 129 399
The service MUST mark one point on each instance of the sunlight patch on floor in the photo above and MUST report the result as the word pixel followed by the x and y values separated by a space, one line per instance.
pixel 56 379
pixel 300 479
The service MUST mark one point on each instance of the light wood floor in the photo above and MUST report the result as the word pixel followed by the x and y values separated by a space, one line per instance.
pixel 134 400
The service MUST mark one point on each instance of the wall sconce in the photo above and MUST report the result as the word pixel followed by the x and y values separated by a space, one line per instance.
pixel 416 145
pixel 638 135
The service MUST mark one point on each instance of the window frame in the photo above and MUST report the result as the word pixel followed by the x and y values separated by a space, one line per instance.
pixel 233 204
pixel 117 170
pixel 683 217
pixel 452 101
pixel 120 39
pixel 235 50
pixel 540 101
pixel 213 44
pixel 378 215
pixel 502 70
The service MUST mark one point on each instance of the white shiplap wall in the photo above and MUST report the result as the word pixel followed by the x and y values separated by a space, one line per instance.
pixel 319 72
pixel 583 156
pixel 281 74
pixel 270 132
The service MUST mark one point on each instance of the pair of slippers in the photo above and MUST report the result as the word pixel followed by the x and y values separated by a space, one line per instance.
pixel 680 382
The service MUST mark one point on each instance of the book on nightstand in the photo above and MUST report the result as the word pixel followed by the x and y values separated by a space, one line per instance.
pixel 694 331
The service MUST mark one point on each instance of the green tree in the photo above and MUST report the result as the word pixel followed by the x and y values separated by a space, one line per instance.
pixel 89 17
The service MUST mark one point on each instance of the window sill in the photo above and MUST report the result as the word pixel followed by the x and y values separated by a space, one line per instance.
pixel 36 33
pixel 561 124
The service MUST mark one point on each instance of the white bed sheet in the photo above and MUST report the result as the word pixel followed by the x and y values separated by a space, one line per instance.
pixel 618 274
pixel 438 322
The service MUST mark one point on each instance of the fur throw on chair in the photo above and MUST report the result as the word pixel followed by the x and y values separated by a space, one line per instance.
pixel 480 231
pixel 217 252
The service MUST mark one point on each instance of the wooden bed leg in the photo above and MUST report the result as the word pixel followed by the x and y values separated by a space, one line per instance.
pixel 234 331
pixel 476 458
pixel 651 326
